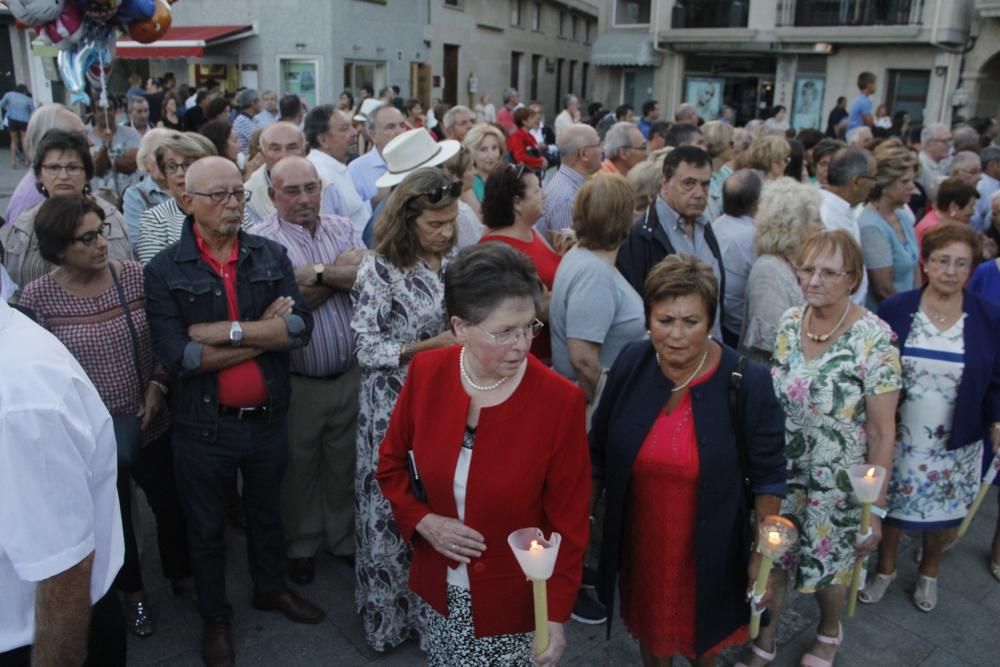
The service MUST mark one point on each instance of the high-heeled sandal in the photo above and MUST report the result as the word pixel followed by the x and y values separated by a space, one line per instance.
pixel 810 660
pixel 137 618
pixel 925 596
pixel 875 588
pixel 760 653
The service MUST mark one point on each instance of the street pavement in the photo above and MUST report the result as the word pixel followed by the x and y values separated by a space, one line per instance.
pixel 962 630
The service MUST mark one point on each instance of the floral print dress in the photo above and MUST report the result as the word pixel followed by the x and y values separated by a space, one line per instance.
pixel 931 487
pixel 392 306
pixel 824 400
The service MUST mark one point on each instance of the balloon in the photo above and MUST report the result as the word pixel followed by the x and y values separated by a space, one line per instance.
pixel 99 11
pixel 75 61
pixel 105 57
pixel 147 32
pixel 36 12
pixel 137 9
pixel 66 30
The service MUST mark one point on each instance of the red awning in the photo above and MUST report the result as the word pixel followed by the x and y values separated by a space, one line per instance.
pixel 183 41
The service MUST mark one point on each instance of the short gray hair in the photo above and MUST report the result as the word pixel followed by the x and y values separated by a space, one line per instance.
pixel 963 135
pixel 847 163
pixel 449 117
pixel 618 138
pixel 855 133
pixel 371 120
pixel 989 154
pixel 685 110
pixel 785 214
pixel 567 98
pixel 509 94
pixel 135 99
pixel 963 159
pixel 931 130
pixel 246 97
pixel 570 140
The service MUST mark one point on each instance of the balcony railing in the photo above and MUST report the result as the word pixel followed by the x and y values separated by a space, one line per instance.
pixel 709 14
pixel 833 13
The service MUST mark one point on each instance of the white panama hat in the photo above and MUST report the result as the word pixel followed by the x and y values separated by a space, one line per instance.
pixel 367 107
pixel 411 150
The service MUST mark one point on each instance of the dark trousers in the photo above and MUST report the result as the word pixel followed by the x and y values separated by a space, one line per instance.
pixel 205 471
pixel 105 639
pixel 153 471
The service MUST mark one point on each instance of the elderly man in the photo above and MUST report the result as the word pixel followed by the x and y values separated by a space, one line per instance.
pixel 734 229
pixel 676 223
pixel 138 114
pixel 860 137
pixel 850 179
pixel 686 113
pixel 331 137
pixel 967 167
pixel 989 184
pixel 290 110
pixel 505 116
pixel 115 148
pixel 684 134
pixel 247 103
pixel 384 123
pixel 279 140
pixel 935 147
pixel 650 114
pixel 458 120
pixel 224 311
pixel 61 529
pixel 965 138
pixel 318 489
pixel 569 115
pixel 624 147
pixel 270 113
pixel 580 152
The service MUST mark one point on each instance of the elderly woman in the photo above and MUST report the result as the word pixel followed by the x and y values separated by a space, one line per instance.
pixel 887 236
pixel 523 146
pixel 951 389
pixel 63 167
pixel 668 450
pixel 468 225
pixel 398 301
pixel 821 157
pixel 594 311
pixel 509 422
pixel 94 305
pixel 161 225
pixel 769 155
pixel 787 214
pixel 646 179
pixel 511 207
pixel 488 145
pixel 151 190
pixel 954 205
pixel 838 377
pixel 719 144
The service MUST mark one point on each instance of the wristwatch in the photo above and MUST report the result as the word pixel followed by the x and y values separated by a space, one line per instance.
pixel 235 334
pixel 318 268
pixel 880 512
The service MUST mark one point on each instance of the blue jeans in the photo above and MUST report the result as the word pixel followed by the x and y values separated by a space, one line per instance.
pixel 205 471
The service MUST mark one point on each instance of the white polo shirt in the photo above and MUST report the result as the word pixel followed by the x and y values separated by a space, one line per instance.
pixel 335 173
pixel 836 213
pixel 58 468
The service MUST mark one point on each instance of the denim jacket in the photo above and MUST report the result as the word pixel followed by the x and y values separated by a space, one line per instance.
pixel 181 290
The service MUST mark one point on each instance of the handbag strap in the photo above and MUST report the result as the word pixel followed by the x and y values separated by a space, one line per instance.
pixel 736 414
pixel 131 328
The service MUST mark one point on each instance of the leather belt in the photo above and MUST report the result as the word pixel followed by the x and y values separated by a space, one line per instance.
pixel 243 413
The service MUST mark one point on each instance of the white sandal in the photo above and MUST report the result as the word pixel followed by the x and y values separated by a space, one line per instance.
pixel 760 653
pixel 876 587
pixel 925 596
pixel 811 660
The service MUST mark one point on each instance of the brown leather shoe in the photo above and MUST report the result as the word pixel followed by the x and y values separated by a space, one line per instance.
pixel 295 608
pixel 301 570
pixel 217 644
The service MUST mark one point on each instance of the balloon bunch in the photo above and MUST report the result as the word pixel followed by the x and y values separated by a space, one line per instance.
pixel 85 31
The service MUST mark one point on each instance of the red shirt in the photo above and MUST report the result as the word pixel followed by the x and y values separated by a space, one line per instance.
pixel 242 385
pixel 519 142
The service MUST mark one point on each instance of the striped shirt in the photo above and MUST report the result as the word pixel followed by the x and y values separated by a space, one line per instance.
pixel 160 227
pixel 244 126
pixel 331 349
pixel 560 192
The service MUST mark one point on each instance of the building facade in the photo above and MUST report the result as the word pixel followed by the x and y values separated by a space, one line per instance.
pixel 934 59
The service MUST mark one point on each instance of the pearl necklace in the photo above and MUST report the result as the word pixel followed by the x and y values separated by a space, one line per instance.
pixel 683 385
pixel 468 378
pixel 822 338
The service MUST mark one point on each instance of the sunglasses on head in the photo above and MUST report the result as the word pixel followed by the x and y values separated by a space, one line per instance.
pixel 452 189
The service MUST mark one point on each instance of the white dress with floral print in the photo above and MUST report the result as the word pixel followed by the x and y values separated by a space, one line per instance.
pixel 824 401
pixel 931 487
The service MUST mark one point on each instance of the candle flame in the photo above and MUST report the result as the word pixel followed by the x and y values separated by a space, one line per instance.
pixel 870 475
pixel 774 537
pixel 535 547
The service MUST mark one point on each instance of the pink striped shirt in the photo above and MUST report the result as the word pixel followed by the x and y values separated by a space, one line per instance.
pixel 331 350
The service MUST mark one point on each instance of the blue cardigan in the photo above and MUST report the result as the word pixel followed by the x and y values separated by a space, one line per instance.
pixel 978 402
pixel 635 393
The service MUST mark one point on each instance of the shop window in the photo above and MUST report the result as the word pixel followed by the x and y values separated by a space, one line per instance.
pixel 632 12
pixel 908 92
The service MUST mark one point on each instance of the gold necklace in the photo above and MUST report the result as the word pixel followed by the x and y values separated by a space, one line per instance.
pixel 701 364
pixel 822 338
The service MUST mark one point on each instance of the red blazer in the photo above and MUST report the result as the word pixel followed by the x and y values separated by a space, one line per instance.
pixel 530 467
pixel 518 142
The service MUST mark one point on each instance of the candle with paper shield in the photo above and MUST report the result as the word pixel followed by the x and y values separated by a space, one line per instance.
pixel 774 537
pixel 537 558
pixel 866 480
pixel 984 487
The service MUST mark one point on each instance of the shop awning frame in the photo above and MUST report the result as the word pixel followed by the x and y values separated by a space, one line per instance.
pixel 184 41
pixel 629 48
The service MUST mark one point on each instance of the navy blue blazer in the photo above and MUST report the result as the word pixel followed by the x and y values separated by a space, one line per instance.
pixel 977 405
pixel 635 393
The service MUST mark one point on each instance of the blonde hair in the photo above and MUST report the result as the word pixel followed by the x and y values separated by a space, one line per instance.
pixel 718 137
pixel 459 163
pixel 645 180
pixel 838 239
pixel 186 144
pixel 602 212
pixel 765 151
pixel 476 135
pixel 146 157
pixel 785 216
pixel 45 118
pixel 893 160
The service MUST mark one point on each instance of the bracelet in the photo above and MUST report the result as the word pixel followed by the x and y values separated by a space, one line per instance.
pixel 159 385
pixel 405 352
pixel 880 512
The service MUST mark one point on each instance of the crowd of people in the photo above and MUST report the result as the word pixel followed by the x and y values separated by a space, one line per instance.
pixel 395 337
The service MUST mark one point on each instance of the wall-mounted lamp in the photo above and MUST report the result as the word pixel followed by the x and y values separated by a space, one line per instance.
pixel 940 70
pixel 300 46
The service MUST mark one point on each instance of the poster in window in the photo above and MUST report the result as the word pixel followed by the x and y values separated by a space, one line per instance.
pixel 298 77
pixel 706 96
pixel 808 111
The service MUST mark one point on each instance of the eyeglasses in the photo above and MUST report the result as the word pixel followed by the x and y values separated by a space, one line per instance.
pixel 642 147
pixel 55 169
pixel 222 196
pixel 308 188
pixel 452 189
pixel 944 262
pixel 519 169
pixel 589 146
pixel 806 274
pixel 511 336
pixel 90 238
pixel 172 167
